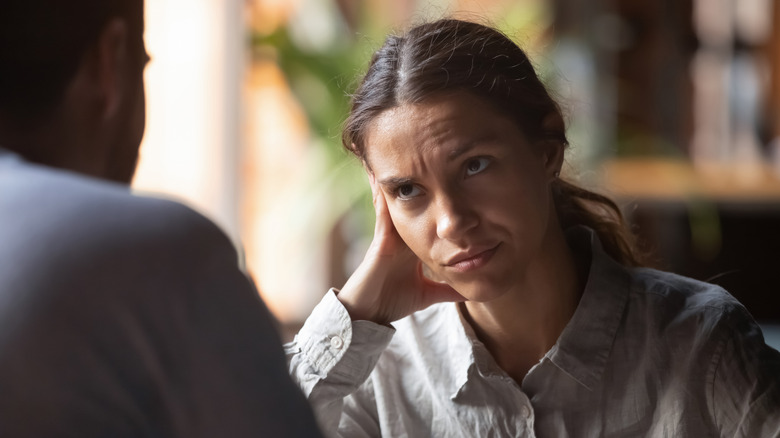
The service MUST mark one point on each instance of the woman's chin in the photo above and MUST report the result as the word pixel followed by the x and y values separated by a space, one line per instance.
pixel 480 292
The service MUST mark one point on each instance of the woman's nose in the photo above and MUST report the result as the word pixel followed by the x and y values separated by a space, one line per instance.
pixel 455 217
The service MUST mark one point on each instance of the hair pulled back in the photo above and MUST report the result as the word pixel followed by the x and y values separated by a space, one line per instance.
pixel 449 55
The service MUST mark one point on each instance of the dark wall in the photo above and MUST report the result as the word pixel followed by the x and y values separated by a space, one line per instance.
pixel 735 246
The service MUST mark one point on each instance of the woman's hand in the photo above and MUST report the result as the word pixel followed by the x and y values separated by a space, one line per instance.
pixel 389 284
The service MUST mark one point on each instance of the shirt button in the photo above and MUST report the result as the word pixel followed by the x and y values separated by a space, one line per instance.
pixel 336 343
pixel 525 411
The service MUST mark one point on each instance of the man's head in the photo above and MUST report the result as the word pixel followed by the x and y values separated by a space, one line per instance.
pixel 71 83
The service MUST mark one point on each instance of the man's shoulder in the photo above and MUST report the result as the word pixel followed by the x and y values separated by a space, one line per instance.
pixel 51 219
pixel 41 199
pixel 67 238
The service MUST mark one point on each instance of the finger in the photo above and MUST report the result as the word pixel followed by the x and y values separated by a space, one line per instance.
pixel 386 237
pixel 384 224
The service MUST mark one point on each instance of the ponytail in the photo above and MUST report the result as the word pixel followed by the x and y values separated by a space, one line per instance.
pixel 578 206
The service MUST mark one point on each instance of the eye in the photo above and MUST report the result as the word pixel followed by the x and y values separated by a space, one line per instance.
pixel 407 191
pixel 476 165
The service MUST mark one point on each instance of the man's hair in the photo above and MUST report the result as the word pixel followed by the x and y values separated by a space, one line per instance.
pixel 42 43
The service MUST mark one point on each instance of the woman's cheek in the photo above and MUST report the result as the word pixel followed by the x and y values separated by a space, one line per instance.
pixel 413 231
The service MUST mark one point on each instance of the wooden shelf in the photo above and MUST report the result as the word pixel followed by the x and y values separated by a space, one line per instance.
pixel 670 180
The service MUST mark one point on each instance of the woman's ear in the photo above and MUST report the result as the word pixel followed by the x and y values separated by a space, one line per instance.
pixel 552 145
pixel 553 157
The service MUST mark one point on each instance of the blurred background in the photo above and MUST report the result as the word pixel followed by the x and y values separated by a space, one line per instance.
pixel 673 109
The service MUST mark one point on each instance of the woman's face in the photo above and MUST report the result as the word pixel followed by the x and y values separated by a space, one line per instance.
pixel 465 190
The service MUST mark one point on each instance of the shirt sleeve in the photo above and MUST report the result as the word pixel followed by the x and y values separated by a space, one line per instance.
pixel 331 359
pixel 745 391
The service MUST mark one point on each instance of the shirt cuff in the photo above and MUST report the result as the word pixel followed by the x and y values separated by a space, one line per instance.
pixel 338 346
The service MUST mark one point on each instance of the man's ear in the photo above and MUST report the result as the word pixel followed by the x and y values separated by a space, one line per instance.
pixel 109 67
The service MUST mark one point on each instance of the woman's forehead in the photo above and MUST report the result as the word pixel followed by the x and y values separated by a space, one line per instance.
pixel 409 130
pixel 450 122
pixel 429 119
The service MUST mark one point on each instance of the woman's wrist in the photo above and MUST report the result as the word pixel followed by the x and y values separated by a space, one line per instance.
pixel 357 308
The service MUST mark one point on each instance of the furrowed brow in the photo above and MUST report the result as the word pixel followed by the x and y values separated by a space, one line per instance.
pixel 466 147
pixel 395 181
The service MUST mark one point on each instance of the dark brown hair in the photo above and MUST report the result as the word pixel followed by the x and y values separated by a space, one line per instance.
pixel 42 43
pixel 449 55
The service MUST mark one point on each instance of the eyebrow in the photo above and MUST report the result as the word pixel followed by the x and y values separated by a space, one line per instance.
pixel 395 181
pixel 466 147
pixel 398 181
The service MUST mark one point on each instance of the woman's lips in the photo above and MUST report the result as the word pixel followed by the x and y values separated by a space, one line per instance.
pixel 470 262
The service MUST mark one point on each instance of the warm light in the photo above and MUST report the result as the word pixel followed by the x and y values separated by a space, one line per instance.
pixel 280 254
pixel 193 104
pixel 268 15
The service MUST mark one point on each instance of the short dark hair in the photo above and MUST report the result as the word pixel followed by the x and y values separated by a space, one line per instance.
pixel 452 55
pixel 42 43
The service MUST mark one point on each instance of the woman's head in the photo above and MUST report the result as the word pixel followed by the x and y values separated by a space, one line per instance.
pixel 467 192
pixel 416 81
pixel 448 55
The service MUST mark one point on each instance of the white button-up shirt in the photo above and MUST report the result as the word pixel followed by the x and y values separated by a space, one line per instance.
pixel 646 353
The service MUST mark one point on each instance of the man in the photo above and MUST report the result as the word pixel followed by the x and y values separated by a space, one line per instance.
pixel 120 316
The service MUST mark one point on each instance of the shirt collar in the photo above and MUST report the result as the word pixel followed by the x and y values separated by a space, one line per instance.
pixel 586 342
pixel 466 356
pixel 462 346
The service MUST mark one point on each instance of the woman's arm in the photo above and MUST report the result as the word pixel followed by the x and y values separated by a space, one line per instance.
pixel 331 359
pixel 340 343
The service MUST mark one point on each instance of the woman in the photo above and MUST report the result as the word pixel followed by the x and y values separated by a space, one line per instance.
pixel 518 303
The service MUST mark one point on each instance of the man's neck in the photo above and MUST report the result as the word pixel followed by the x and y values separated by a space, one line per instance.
pixel 53 142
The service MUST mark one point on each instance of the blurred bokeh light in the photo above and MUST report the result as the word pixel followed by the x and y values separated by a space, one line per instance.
pixel 672 106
